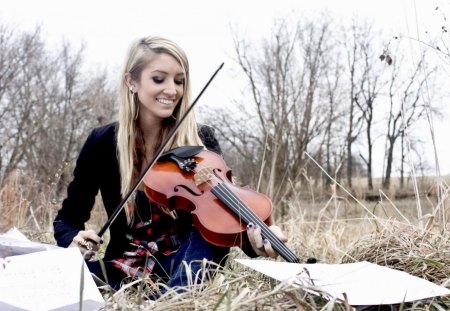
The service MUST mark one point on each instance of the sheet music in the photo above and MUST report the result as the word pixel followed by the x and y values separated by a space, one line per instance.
pixel 363 282
pixel 48 280
pixel 14 243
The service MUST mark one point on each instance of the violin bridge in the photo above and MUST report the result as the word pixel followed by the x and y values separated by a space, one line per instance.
pixel 203 175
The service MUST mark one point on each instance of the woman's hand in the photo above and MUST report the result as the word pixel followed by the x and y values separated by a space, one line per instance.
pixel 262 246
pixel 88 242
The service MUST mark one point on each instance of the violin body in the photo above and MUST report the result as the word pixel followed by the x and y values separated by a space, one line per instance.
pixel 169 185
pixel 199 181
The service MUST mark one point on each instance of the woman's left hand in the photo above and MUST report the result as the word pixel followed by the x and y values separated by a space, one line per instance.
pixel 261 246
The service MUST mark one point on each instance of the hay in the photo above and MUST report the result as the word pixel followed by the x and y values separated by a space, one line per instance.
pixel 419 252
pixel 241 289
pixel 422 253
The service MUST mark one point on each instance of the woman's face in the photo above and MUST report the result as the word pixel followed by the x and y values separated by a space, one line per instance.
pixel 160 88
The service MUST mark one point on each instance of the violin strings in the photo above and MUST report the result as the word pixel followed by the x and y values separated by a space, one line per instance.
pixel 246 211
pixel 243 210
pixel 215 181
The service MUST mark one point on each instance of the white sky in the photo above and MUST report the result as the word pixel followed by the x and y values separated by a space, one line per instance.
pixel 202 29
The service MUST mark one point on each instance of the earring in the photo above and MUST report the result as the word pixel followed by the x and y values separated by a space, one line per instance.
pixel 132 89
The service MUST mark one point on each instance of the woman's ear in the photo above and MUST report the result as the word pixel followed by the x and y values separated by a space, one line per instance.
pixel 129 82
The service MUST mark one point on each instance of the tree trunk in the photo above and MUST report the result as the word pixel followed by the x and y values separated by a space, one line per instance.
pixel 390 156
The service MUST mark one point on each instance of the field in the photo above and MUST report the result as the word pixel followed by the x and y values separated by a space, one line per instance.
pixel 402 229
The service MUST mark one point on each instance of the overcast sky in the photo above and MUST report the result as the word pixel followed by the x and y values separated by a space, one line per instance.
pixel 202 28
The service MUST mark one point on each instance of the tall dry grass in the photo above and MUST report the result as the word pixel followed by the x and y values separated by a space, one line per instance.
pixel 31 206
pixel 341 228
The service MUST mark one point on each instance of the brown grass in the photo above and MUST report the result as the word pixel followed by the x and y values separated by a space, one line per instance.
pixel 428 250
pixel 339 229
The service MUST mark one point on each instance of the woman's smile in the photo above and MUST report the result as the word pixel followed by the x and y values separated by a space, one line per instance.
pixel 165 101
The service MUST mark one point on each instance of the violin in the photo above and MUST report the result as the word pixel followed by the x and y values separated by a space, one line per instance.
pixel 200 182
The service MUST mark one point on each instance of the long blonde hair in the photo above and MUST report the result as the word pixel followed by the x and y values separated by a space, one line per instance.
pixel 128 134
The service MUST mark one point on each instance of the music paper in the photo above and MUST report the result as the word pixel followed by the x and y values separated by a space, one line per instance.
pixel 47 280
pixel 14 243
pixel 364 283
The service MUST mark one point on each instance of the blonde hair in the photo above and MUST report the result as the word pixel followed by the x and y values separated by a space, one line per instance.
pixel 128 133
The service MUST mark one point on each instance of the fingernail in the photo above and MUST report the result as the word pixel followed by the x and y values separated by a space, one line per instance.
pixel 266 241
pixel 249 226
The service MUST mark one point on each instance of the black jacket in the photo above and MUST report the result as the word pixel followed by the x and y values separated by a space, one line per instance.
pixel 97 169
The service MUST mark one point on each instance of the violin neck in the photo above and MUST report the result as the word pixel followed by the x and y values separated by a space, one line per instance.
pixel 246 214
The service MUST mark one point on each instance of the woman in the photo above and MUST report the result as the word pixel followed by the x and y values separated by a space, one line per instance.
pixel 146 238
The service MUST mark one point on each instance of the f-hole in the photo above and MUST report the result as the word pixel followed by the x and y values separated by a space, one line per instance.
pixel 176 189
pixel 216 171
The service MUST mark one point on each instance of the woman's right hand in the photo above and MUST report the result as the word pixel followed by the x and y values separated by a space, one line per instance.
pixel 88 242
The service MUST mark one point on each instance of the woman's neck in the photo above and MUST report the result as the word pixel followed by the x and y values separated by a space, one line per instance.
pixel 151 130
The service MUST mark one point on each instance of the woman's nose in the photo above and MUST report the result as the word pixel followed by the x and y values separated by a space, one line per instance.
pixel 170 89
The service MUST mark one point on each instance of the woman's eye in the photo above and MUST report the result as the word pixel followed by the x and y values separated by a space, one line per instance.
pixel 157 80
pixel 179 81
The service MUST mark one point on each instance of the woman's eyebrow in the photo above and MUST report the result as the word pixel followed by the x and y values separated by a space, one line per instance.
pixel 165 72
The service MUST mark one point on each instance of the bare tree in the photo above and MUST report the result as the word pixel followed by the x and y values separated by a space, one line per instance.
pixel 24 50
pixel 354 125
pixel 405 106
pixel 284 76
pixel 371 85
pixel 9 60
pixel 334 123
pixel 47 104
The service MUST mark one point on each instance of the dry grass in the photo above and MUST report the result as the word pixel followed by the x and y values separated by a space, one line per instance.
pixel 387 232
pixel 421 252
pixel 231 288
